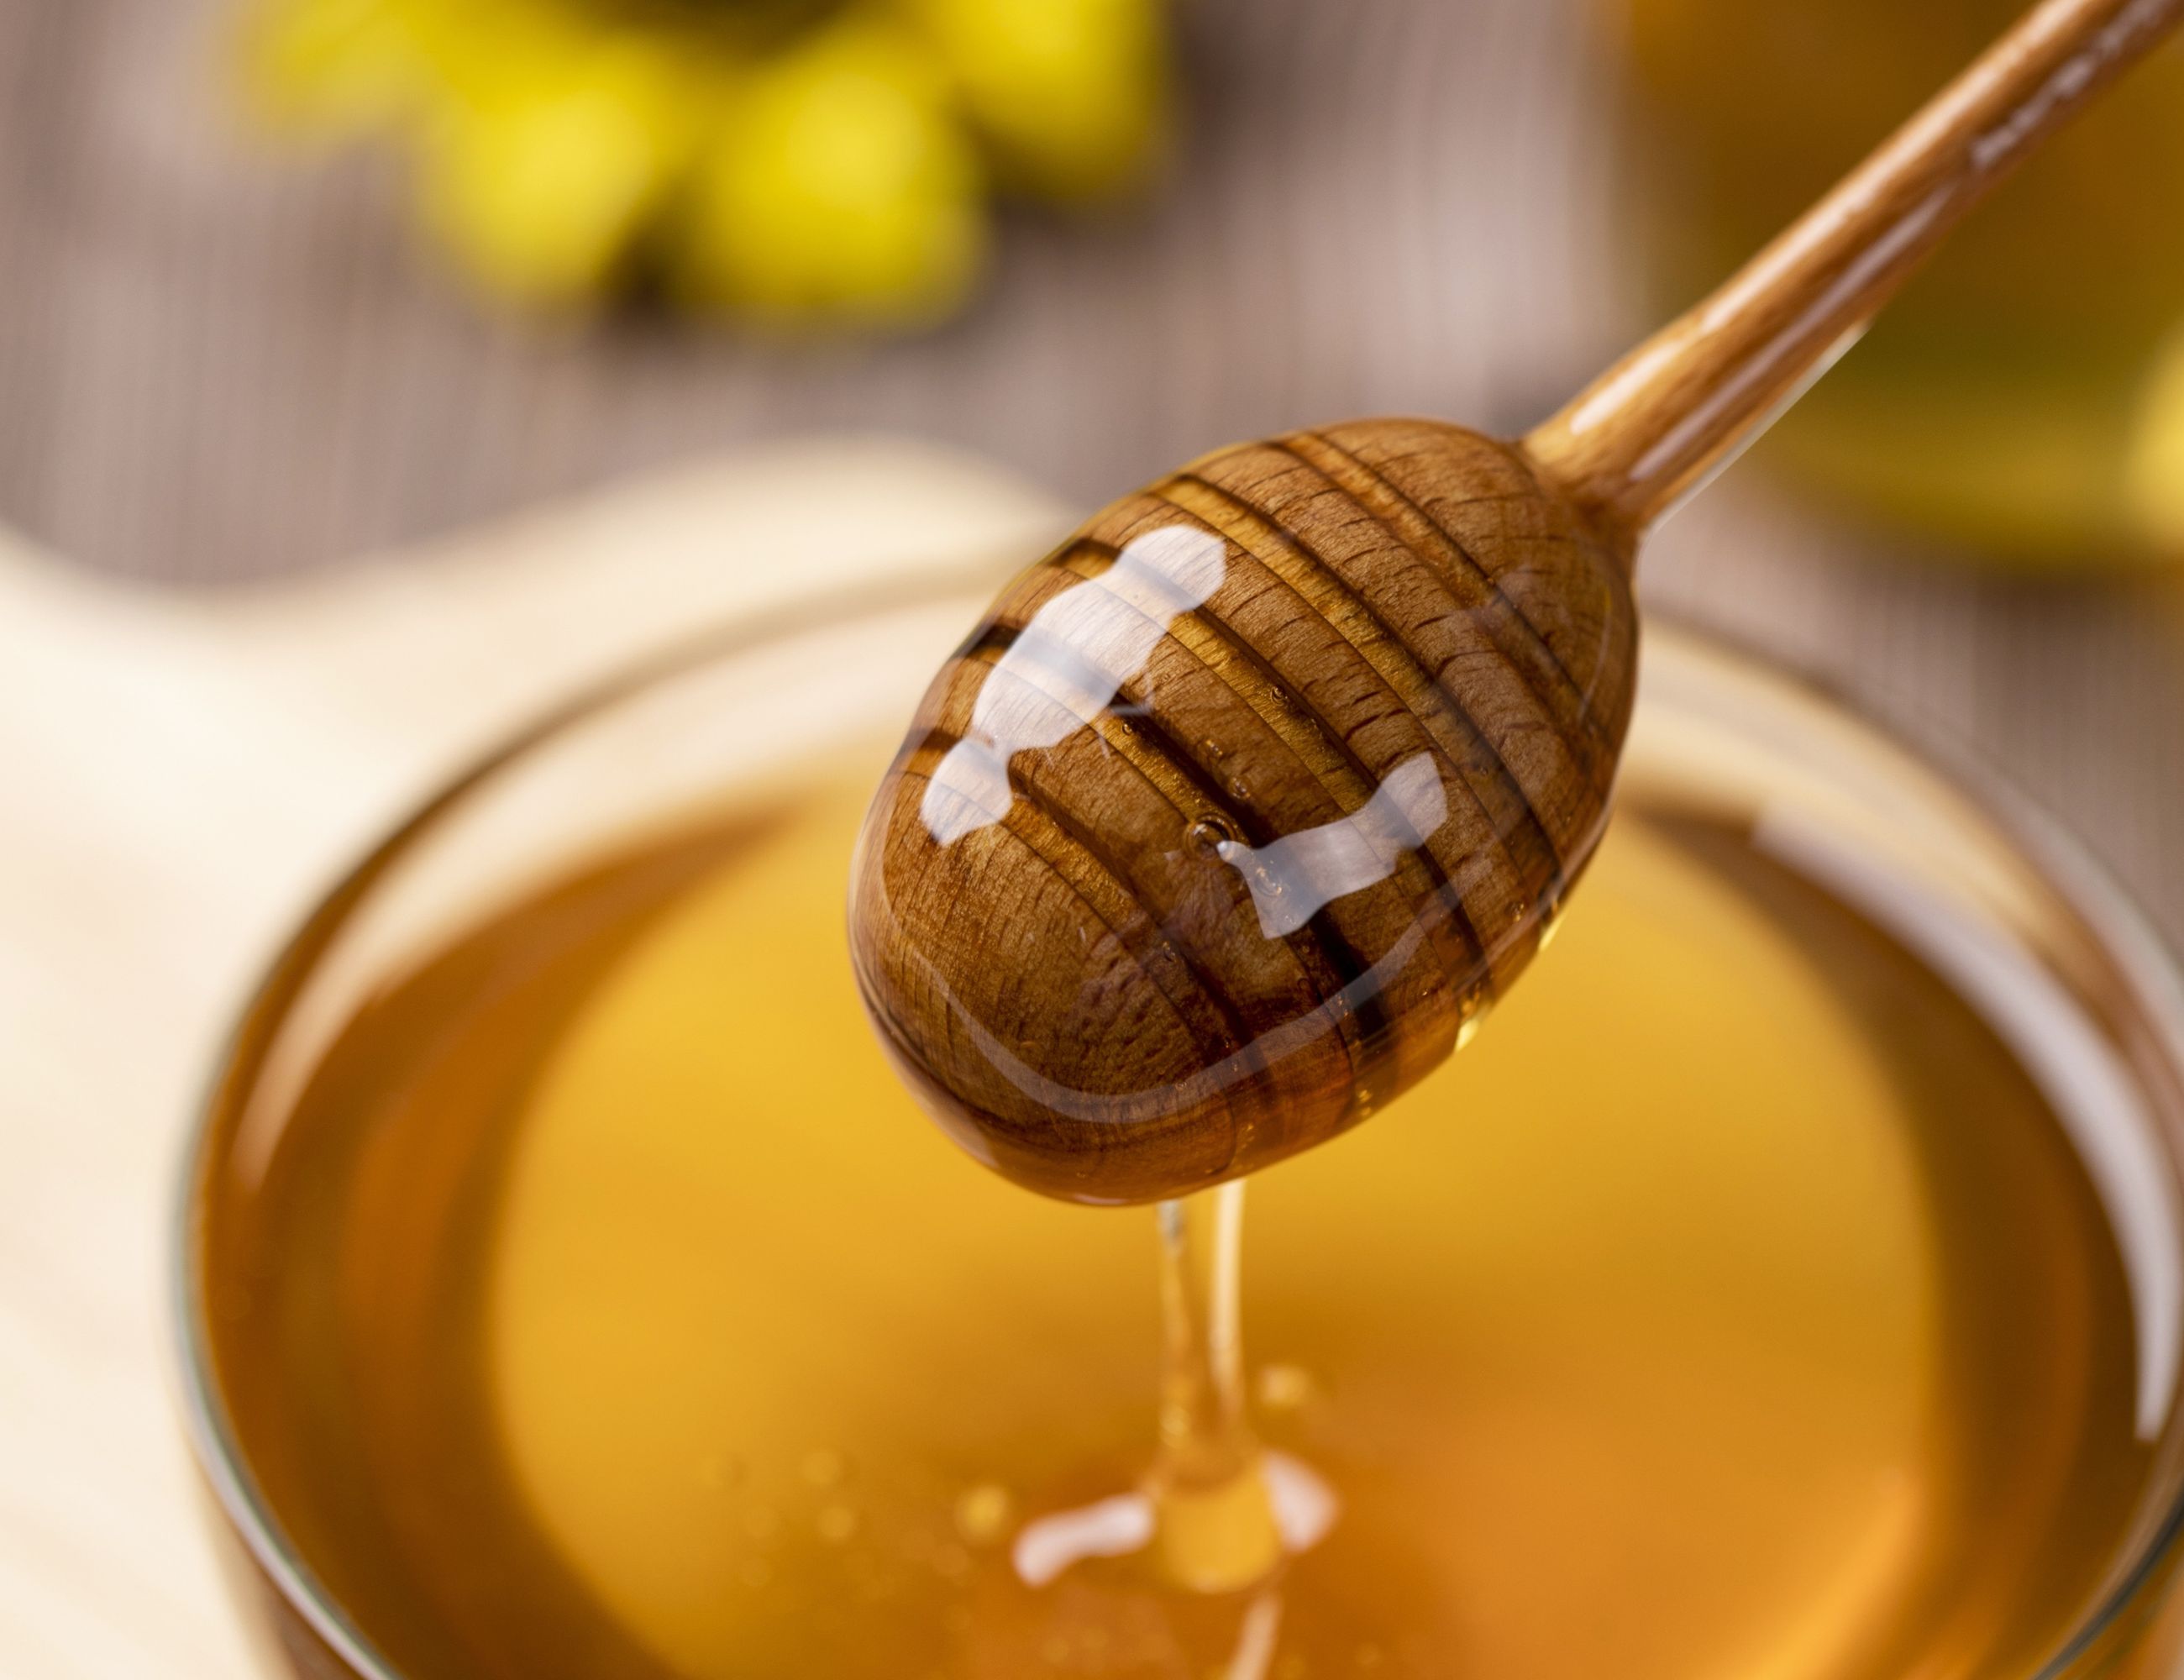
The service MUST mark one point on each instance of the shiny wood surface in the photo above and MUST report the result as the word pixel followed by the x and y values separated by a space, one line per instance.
pixel 1647 431
pixel 1069 910
pixel 1241 803
pixel 220 369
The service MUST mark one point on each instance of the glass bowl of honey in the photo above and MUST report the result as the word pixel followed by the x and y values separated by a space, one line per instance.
pixel 1787 1281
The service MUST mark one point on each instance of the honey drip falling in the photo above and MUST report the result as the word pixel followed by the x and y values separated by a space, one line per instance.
pixel 1214 1523
pixel 1217 1514
pixel 595 1432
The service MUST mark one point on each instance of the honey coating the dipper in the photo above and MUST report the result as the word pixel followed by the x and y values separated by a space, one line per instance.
pixel 1239 805
pixel 1761 1299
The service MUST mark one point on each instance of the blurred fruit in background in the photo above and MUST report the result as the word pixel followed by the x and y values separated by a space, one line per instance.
pixel 796 162
pixel 2026 397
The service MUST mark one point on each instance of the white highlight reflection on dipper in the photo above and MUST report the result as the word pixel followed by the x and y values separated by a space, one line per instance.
pixel 1069 663
pixel 1293 878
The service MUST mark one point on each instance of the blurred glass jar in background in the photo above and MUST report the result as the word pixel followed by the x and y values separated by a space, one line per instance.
pixel 2026 397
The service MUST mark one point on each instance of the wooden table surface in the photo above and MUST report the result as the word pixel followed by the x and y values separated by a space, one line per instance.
pixel 217 367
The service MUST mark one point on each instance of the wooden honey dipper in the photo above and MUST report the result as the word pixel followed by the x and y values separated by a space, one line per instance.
pixel 1241 805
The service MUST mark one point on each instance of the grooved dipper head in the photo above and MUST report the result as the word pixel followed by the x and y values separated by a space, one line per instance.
pixel 1238 804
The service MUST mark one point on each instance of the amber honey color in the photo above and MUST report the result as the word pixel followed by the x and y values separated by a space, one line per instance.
pixel 606 1310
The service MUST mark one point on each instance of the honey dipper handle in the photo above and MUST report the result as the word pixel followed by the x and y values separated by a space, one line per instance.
pixel 1654 427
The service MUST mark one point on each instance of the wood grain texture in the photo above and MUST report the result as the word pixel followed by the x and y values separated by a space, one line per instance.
pixel 219 367
pixel 1069 912
pixel 1082 918
pixel 1647 431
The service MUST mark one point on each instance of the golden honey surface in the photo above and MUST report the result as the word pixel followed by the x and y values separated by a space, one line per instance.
pixel 609 1310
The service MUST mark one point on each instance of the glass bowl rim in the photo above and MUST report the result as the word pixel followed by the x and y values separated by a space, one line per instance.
pixel 2082 882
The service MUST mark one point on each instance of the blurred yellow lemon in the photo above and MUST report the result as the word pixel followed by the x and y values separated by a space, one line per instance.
pixel 541 176
pixel 327 69
pixel 793 161
pixel 837 183
pixel 1071 96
